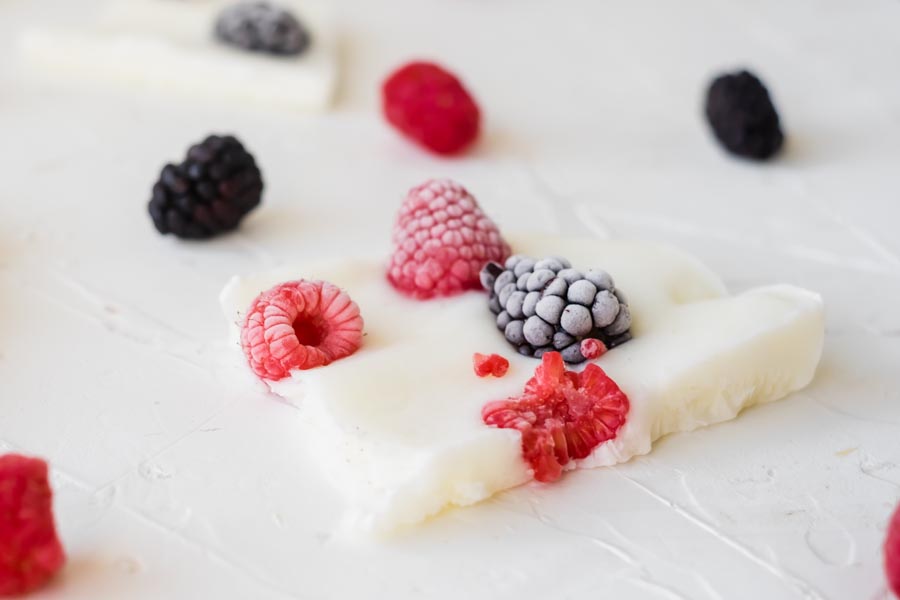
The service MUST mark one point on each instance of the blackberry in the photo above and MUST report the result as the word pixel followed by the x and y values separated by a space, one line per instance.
pixel 544 305
pixel 209 193
pixel 262 27
pixel 742 116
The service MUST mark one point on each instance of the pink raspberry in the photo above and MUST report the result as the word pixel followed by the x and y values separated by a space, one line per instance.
pixel 300 325
pixel 30 551
pixel 429 105
pixel 441 242
pixel 892 553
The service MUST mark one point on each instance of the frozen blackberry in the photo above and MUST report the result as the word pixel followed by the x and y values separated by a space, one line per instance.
pixel 262 27
pixel 209 193
pixel 742 116
pixel 546 305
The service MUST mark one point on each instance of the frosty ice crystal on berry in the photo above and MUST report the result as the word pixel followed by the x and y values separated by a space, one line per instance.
pixel 441 241
pixel 545 305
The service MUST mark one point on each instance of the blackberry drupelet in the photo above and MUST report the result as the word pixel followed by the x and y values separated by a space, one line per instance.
pixel 546 305
pixel 742 116
pixel 262 27
pixel 209 193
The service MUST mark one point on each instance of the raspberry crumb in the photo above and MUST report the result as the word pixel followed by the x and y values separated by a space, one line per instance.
pixel 441 241
pixel 591 348
pixel 428 104
pixel 492 364
pixel 300 325
pixel 563 415
pixel 30 551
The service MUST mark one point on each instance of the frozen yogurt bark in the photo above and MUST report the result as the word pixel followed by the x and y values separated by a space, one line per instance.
pixel 168 46
pixel 398 425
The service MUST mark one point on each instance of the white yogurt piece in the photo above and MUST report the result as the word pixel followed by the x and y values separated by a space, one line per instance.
pixel 398 424
pixel 168 46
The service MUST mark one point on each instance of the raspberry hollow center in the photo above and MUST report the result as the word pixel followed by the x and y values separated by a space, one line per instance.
pixel 300 325
pixel 309 332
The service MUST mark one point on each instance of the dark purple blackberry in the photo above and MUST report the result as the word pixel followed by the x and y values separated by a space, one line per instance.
pixel 546 305
pixel 209 193
pixel 262 27
pixel 742 116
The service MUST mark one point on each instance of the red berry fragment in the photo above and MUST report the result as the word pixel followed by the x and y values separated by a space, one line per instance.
pixel 429 105
pixel 563 415
pixel 493 364
pixel 30 551
pixel 592 348
pixel 442 240
pixel 892 553
pixel 300 325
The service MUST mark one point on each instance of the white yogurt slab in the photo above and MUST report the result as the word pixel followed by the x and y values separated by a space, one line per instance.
pixel 168 46
pixel 398 424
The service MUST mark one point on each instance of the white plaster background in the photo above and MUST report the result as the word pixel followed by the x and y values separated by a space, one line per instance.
pixel 177 477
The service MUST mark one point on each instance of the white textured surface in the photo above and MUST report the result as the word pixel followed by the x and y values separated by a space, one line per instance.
pixel 177 476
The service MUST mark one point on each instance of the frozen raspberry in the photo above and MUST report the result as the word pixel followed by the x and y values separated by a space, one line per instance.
pixel 441 241
pixel 300 325
pixel 492 364
pixel 30 552
pixel 563 415
pixel 892 553
pixel 431 106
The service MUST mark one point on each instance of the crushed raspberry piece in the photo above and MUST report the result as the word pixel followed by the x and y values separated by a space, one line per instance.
pixel 300 325
pixel 30 551
pixel 442 240
pixel 592 348
pixel 493 364
pixel 563 415
pixel 892 553
pixel 430 105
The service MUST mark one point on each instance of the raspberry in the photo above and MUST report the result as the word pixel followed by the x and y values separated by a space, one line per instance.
pixel 441 241
pixel 563 415
pixel 892 553
pixel 300 325
pixel 30 552
pixel 430 105
pixel 209 193
pixel 486 365
pixel 742 116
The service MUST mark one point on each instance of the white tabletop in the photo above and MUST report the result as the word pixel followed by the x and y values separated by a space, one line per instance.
pixel 176 476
